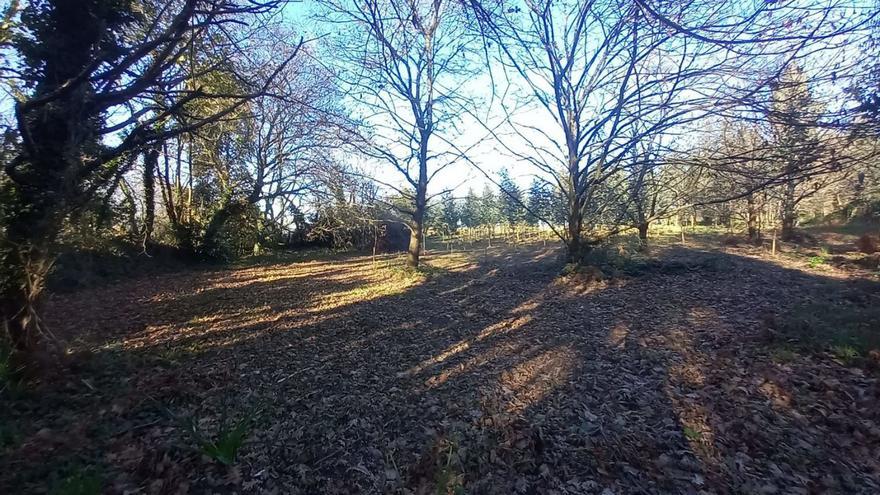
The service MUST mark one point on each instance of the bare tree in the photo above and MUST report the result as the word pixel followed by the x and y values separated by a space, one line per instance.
pixel 658 184
pixel 596 68
pixel 402 61
pixel 602 68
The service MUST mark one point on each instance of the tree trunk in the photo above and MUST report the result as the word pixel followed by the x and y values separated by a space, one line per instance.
pixel 417 228
pixel 643 232
pixel 151 162
pixel 24 280
pixel 752 220
pixel 415 245
pixel 789 212
pixel 131 210
pixel 575 223
pixel 28 252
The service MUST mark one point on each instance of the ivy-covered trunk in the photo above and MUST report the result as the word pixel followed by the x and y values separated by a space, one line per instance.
pixel 24 278
pixel 49 178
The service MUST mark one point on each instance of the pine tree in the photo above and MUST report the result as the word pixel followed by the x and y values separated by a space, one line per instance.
pixel 539 202
pixel 470 210
pixel 510 199
pixel 794 115
pixel 488 211
pixel 449 214
pixel 558 207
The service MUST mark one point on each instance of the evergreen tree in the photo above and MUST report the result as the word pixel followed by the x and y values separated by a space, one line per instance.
pixel 793 116
pixel 539 200
pixel 488 211
pixel 510 199
pixel 558 207
pixel 470 210
pixel 449 214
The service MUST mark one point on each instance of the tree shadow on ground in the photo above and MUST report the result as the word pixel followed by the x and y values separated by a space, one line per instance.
pixel 493 375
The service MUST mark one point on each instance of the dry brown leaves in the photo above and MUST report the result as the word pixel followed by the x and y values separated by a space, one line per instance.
pixel 489 375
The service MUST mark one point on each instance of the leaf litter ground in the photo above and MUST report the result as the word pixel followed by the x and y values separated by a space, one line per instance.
pixel 489 373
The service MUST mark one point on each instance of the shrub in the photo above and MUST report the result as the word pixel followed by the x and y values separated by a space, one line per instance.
pixel 606 258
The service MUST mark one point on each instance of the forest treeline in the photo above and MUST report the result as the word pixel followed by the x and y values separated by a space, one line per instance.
pixel 220 128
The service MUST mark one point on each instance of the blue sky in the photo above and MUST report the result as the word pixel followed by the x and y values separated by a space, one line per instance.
pixel 489 155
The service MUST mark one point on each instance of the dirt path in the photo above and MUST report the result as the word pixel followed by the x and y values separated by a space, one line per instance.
pixel 490 375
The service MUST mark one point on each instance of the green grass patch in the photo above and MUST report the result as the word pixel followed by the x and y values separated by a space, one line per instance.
pixel 692 434
pixel 816 261
pixel 398 269
pixel 225 443
pixel 848 331
pixel 621 259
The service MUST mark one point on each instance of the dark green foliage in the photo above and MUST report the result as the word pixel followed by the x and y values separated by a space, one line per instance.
pixel 510 200
pixel 59 42
pixel 55 172
pixel 470 210
pixel 558 207
pixel 231 232
pixel 77 268
pixel 225 449
pixel 540 202
pixel 489 213
pixel 449 213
